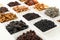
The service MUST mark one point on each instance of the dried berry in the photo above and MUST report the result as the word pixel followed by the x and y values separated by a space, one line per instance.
pixel 45 25
pixel 31 16
pixel 11 4
pixel 52 12
pixel 16 26
pixel 3 9
pixel 30 35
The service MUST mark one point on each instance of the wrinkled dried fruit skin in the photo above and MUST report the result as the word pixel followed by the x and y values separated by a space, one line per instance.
pixel 45 25
pixel 11 4
pixel 30 35
pixel 16 26
pixel 52 12
pixel 31 16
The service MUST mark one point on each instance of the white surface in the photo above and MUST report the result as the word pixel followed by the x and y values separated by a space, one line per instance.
pixel 53 34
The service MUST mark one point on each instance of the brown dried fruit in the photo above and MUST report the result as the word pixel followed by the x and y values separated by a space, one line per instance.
pixel 40 7
pixel 30 35
pixel 7 17
pixel 31 2
pixel 20 8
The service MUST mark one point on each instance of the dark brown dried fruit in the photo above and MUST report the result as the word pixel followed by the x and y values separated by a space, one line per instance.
pixel 3 9
pixel 11 4
pixel 16 26
pixel 45 25
pixel 30 35
pixel 31 2
pixel 31 16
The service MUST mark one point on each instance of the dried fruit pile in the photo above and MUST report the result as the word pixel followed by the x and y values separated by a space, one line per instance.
pixel 31 16
pixel 11 4
pixel 45 25
pixel 3 9
pixel 7 17
pixel 16 26
pixel 40 7
pixel 30 35
pixel 20 8
pixel 52 12
pixel 31 2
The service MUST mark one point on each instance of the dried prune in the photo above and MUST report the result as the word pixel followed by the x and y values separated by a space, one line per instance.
pixel 16 26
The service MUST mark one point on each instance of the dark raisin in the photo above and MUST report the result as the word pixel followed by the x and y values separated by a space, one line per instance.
pixel 45 25
pixel 31 16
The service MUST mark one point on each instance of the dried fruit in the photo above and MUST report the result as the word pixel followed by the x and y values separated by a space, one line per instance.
pixel 40 7
pixel 31 2
pixel 52 12
pixel 7 17
pixel 11 4
pixel 31 16
pixel 20 8
pixel 45 25
pixel 3 9
pixel 16 26
pixel 30 35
